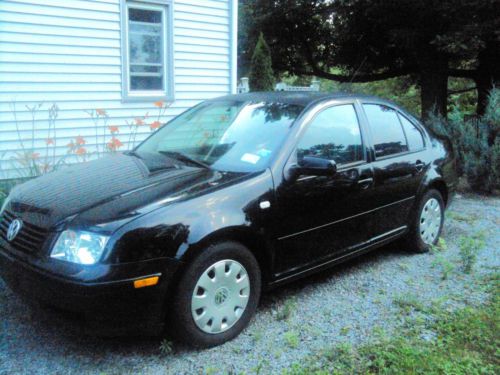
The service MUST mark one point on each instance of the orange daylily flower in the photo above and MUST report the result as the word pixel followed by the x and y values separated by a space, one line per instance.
pixel 71 144
pixel 114 144
pixel 159 103
pixel 113 129
pixel 49 141
pixel 155 125
pixel 35 155
pixel 80 140
pixel 101 112
pixel 139 121
pixel 81 151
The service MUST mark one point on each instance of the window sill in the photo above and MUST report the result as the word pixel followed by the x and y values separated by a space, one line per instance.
pixel 153 97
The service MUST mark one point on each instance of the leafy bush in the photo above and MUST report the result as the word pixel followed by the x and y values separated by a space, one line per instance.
pixel 476 144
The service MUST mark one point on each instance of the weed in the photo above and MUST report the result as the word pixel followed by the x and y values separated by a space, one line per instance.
pixel 469 248
pixel 440 260
pixel 258 369
pixel 403 266
pixel 166 347
pixel 460 217
pixel 286 311
pixel 292 339
pixel 257 335
pixel 408 302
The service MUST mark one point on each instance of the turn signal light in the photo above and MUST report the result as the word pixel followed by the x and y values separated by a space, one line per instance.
pixel 149 281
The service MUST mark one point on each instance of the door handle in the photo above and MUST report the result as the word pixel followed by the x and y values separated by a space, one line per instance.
pixel 419 165
pixel 365 182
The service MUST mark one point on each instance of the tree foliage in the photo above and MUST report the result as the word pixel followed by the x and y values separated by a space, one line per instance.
pixel 369 40
pixel 261 72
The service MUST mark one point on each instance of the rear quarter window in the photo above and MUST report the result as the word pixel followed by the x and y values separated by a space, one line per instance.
pixel 413 134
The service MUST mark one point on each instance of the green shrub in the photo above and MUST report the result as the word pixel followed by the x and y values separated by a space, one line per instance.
pixel 476 144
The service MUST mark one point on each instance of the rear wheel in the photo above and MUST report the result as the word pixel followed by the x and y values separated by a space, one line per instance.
pixel 217 295
pixel 427 223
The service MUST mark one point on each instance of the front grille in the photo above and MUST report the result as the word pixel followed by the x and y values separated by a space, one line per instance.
pixel 29 239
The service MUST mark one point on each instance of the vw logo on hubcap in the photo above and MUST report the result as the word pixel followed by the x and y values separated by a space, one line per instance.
pixel 221 296
pixel 14 229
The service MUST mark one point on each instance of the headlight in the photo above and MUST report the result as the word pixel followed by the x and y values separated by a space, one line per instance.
pixel 4 204
pixel 79 247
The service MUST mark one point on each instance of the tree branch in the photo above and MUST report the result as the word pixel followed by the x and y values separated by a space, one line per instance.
pixel 461 91
pixel 462 73
pixel 356 78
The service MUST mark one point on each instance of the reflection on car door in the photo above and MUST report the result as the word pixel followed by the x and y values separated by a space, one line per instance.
pixel 322 216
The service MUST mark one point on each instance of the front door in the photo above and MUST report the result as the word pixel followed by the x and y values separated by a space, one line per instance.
pixel 321 217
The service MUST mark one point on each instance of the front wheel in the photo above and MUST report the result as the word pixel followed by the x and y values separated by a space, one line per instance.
pixel 217 295
pixel 427 224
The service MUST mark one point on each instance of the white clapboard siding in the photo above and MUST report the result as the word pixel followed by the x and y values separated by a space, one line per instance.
pixel 68 53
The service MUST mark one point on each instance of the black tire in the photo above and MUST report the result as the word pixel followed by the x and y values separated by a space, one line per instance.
pixel 182 324
pixel 413 240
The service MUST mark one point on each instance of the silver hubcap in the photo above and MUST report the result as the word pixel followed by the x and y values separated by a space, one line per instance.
pixel 220 296
pixel 430 221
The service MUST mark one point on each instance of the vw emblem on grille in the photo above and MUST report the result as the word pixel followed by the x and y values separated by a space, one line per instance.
pixel 14 229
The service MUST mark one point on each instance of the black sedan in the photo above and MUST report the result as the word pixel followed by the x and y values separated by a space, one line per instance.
pixel 235 195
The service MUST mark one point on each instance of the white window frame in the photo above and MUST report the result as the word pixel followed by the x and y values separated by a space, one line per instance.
pixel 167 93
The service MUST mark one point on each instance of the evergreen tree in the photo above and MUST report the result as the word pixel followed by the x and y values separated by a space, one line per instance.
pixel 261 72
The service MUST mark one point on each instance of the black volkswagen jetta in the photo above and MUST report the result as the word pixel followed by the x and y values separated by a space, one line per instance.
pixel 237 194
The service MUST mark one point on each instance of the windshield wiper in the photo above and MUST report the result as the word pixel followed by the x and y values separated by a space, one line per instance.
pixel 184 158
pixel 133 153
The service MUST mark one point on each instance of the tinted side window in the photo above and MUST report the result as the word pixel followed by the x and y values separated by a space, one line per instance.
pixel 334 135
pixel 413 134
pixel 387 133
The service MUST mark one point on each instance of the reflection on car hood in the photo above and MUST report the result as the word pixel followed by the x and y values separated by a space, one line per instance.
pixel 102 189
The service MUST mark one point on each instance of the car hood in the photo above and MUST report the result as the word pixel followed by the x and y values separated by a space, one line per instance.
pixel 107 190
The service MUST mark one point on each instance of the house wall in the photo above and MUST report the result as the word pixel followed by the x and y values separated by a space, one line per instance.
pixel 68 53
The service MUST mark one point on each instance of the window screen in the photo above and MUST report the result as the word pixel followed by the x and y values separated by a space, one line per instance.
pixel 146 42
pixel 386 130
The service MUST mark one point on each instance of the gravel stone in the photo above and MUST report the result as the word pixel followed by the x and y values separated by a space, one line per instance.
pixel 347 304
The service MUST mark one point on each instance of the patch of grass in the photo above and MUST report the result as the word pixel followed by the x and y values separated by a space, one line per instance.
pixel 469 247
pixel 462 342
pixel 469 219
pixel 166 347
pixel 286 310
pixel 408 303
pixel 291 339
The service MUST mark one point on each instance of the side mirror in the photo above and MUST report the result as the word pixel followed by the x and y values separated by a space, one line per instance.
pixel 311 166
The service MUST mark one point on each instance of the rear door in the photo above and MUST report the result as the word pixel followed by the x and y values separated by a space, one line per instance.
pixel 398 147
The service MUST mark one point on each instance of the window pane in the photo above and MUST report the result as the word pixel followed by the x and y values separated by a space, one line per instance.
pixel 334 135
pixel 414 136
pixel 146 59
pixel 388 136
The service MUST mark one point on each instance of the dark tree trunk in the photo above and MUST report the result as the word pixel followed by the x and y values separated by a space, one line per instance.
pixel 487 75
pixel 434 86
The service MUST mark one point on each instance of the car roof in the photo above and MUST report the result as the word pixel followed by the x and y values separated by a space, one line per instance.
pixel 299 98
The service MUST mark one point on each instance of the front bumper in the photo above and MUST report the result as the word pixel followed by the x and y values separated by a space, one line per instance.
pixel 103 294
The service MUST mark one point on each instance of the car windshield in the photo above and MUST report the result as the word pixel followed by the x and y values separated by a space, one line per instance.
pixel 231 136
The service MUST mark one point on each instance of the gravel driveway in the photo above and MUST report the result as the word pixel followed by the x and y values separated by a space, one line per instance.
pixel 347 304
